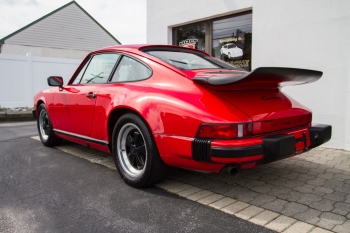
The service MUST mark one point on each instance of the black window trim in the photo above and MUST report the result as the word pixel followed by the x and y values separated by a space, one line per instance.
pixel 85 62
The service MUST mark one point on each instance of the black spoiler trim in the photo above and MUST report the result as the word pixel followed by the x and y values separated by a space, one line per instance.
pixel 287 76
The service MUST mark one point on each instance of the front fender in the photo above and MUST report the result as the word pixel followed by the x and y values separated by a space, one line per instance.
pixel 46 97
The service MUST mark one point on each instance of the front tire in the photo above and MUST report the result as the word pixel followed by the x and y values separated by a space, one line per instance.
pixel 45 129
pixel 135 153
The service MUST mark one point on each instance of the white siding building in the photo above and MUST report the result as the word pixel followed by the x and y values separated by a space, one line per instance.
pixel 68 32
pixel 52 45
pixel 311 34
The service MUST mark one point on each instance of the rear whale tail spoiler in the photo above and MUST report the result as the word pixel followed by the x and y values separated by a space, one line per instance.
pixel 260 78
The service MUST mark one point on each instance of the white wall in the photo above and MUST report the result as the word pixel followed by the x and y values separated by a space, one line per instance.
pixel 311 34
pixel 43 51
pixel 23 76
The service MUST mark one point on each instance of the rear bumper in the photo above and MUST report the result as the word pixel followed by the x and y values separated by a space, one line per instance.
pixel 277 146
pixel 213 156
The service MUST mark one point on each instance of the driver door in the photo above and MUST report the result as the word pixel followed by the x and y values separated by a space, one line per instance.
pixel 74 104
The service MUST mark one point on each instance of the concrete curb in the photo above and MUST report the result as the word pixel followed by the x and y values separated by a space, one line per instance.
pixel 16 116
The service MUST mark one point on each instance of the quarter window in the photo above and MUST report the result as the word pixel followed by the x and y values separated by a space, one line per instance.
pixel 99 68
pixel 130 70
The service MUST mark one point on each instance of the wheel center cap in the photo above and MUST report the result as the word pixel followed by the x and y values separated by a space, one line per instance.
pixel 133 150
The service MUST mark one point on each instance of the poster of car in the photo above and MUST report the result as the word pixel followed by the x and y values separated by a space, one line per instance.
pixel 232 40
pixel 231 50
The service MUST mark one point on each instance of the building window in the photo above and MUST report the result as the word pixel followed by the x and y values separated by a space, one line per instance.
pixel 232 40
pixel 190 36
pixel 230 37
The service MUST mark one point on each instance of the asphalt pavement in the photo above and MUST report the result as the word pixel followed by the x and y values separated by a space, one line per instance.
pixel 14 130
pixel 47 190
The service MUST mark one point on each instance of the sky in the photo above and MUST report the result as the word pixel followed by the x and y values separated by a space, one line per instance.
pixel 124 19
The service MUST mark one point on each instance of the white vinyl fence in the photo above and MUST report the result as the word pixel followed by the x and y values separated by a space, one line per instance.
pixel 21 77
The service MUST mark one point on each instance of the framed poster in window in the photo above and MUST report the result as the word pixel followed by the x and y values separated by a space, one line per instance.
pixel 228 38
pixel 232 40
pixel 190 36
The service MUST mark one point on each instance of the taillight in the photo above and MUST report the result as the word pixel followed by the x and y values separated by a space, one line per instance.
pixel 261 127
pixel 224 131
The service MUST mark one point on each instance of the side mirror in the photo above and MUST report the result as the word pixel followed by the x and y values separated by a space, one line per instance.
pixel 55 81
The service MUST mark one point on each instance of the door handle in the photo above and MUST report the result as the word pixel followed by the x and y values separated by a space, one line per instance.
pixel 91 95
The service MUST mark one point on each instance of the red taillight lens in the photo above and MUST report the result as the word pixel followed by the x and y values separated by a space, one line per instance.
pixel 307 119
pixel 225 131
pixel 281 124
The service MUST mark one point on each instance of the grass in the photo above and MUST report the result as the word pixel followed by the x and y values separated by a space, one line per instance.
pixel 2 110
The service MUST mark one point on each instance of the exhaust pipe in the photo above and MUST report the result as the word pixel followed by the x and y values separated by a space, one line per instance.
pixel 232 170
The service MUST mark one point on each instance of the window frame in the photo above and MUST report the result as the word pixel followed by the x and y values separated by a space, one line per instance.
pixel 209 29
pixel 87 61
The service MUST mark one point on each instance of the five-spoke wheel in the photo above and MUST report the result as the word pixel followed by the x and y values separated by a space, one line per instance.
pixel 47 136
pixel 131 149
pixel 135 152
pixel 44 126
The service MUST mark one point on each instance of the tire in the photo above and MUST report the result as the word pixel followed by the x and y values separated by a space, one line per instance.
pixel 47 136
pixel 135 153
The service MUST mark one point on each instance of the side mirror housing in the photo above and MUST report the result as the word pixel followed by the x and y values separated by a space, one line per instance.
pixel 55 81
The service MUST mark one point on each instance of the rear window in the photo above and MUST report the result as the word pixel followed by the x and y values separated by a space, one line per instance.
pixel 184 61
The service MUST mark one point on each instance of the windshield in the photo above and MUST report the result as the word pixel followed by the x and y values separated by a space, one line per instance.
pixel 184 61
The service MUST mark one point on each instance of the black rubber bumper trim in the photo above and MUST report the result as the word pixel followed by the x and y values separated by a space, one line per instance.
pixel 278 147
pixel 319 134
pixel 239 152
pixel 34 114
pixel 201 150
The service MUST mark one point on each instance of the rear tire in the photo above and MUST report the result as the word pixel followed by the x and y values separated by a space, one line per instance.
pixel 135 153
pixel 47 136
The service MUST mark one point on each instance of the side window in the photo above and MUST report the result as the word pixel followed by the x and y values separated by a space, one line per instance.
pixel 78 78
pixel 130 70
pixel 99 68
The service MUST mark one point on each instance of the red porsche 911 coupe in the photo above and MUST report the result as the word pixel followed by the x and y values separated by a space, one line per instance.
pixel 154 106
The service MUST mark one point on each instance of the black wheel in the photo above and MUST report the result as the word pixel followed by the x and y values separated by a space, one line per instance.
pixel 47 136
pixel 135 153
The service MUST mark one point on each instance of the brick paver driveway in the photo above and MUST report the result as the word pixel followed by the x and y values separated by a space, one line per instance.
pixel 306 193
pixel 313 187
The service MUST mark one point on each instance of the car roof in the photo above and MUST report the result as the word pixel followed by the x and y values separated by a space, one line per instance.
pixel 140 48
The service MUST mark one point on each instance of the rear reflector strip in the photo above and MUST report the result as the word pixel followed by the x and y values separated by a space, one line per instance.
pixel 261 127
